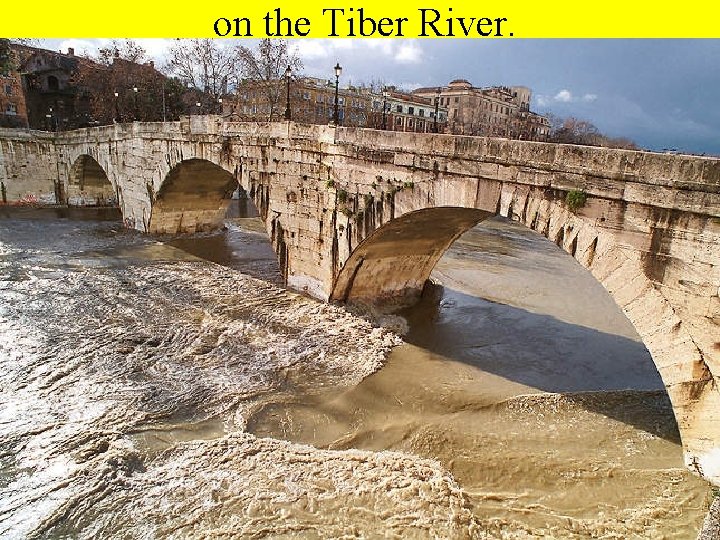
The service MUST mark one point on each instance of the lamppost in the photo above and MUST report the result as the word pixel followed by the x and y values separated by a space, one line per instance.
pixel 220 106
pixel 135 97
pixel 117 108
pixel 198 105
pixel 385 96
pixel 437 104
pixel 338 71
pixel 163 100
pixel 288 71
pixel 49 120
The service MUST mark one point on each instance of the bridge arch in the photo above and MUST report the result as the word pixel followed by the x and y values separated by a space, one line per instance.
pixel 89 184
pixel 375 270
pixel 193 197
pixel 394 262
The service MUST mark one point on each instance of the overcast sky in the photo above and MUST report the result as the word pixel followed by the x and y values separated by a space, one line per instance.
pixel 660 93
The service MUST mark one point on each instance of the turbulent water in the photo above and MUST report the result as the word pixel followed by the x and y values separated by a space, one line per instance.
pixel 170 387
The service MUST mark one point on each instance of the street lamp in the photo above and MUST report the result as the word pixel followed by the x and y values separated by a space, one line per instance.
pixel 338 71
pixel 49 120
pixel 437 103
pixel 288 71
pixel 163 100
pixel 117 108
pixel 198 105
pixel 135 94
pixel 220 106
pixel 384 117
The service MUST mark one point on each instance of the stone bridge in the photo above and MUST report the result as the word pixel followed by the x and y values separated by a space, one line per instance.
pixel 362 215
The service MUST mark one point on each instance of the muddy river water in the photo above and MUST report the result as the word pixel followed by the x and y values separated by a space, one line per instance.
pixel 171 388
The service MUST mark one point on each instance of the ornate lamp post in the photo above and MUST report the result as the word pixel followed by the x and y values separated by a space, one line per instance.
pixel 288 71
pixel 384 117
pixel 220 105
pixel 198 105
pixel 117 108
pixel 338 71
pixel 135 103
pixel 49 119
pixel 163 100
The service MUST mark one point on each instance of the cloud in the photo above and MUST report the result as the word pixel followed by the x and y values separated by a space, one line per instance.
pixel 409 53
pixel 564 96
pixel 311 49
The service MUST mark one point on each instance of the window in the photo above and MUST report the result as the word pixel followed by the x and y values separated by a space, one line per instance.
pixel 411 110
pixel 398 108
pixel 341 101
pixel 398 121
pixel 319 98
pixel 421 112
pixel 53 83
pixel 306 95
pixel 8 90
pixel 11 109
pixel 457 100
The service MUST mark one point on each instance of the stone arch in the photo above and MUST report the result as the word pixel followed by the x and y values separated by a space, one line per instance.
pixel 89 185
pixel 193 197
pixel 393 263
pixel 375 270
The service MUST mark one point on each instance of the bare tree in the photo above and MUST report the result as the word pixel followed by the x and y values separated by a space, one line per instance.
pixel 207 65
pixel 264 68
pixel 572 130
pixel 376 85
pixel 127 50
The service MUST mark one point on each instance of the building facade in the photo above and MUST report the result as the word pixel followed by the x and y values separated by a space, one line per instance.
pixel 60 91
pixel 52 96
pixel 312 101
pixel 13 112
pixel 411 112
pixel 498 111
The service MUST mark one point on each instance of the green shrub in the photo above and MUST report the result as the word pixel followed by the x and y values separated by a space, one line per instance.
pixel 330 184
pixel 575 200
pixel 342 196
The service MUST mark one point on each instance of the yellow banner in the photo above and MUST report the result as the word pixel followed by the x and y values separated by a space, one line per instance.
pixel 370 18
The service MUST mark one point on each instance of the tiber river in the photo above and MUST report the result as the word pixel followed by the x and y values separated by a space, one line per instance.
pixel 171 388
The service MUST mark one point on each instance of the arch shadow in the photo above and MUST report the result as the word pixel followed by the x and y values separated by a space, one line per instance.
pixel 194 197
pixel 392 265
pixel 89 185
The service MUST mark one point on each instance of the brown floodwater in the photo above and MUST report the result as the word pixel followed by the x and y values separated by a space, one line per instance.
pixel 170 387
